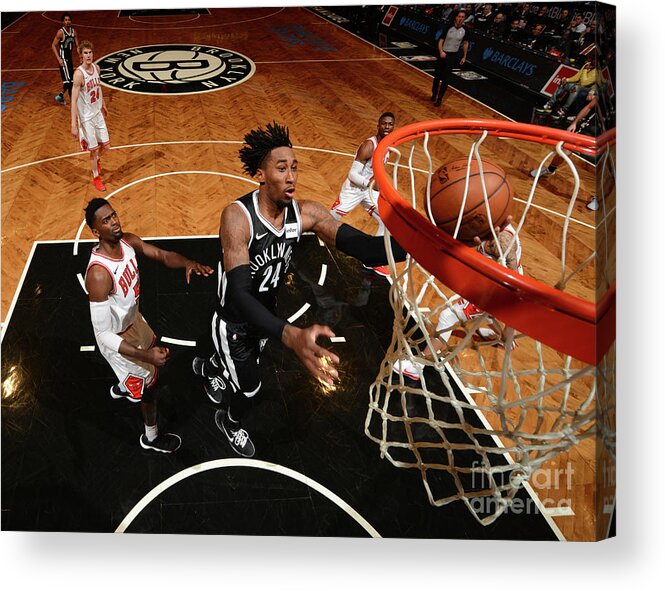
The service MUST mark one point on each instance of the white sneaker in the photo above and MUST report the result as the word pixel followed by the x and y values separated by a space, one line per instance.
pixel 593 204
pixel 407 367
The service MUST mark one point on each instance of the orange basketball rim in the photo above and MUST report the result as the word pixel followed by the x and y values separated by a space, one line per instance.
pixel 582 329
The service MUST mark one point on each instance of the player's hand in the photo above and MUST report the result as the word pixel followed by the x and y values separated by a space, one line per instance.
pixel 105 112
pixel 158 356
pixel 319 361
pixel 572 127
pixel 75 130
pixel 61 62
pixel 442 54
pixel 198 269
pixel 497 230
pixel 461 62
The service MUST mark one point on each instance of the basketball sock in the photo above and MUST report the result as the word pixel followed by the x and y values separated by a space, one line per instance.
pixel 151 432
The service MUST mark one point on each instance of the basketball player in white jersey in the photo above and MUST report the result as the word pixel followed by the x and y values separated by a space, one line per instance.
pixel 355 190
pixel 63 46
pixel 123 336
pixel 462 310
pixel 257 234
pixel 88 113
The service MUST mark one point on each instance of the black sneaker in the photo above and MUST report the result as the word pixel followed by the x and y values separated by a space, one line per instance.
pixel 239 440
pixel 197 366
pixel 214 385
pixel 118 393
pixel 165 443
pixel 544 109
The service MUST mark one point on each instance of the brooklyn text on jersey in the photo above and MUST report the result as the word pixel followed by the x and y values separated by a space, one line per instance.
pixel 174 69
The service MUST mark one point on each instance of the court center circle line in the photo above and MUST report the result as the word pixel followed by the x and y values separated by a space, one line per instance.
pixel 257 464
pixel 189 20
pixel 82 26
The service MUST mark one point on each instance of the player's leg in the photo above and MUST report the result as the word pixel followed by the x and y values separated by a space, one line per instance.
pixel 349 198
pixel 60 97
pixel 102 135
pixel 231 379
pixel 371 204
pixel 137 381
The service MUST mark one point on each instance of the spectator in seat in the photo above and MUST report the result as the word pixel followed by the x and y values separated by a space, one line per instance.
pixel 483 18
pixel 515 34
pixel 576 87
pixel 536 40
pixel 498 28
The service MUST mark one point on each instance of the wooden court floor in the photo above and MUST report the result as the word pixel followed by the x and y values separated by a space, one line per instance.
pixel 173 164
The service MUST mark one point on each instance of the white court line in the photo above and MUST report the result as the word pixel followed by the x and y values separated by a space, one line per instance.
pixel 82 283
pixel 178 342
pixel 81 26
pixel 237 142
pixel 18 290
pixel 349 59
pixel 85 348
pixel 337 340
pixel 258 464
pixel 162 174
pixel 322 277
pixel 560 511
pixel 299 313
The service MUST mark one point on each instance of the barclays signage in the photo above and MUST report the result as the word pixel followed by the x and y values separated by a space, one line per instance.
pixel 511 62
pixel 527 68
pixel 414 25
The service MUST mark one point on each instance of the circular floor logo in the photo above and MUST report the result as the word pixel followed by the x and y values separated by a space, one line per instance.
pixel 174 69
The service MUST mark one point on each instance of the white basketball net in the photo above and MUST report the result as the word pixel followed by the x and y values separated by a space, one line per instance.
pixel 489 405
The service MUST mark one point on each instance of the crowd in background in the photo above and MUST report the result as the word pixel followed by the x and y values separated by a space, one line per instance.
pixel 565 32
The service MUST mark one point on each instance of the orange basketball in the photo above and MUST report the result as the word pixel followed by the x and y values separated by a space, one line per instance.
pixel 447 195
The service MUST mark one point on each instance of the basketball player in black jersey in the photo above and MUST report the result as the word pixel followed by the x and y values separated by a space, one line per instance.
pixel 63 46
pixel 257 234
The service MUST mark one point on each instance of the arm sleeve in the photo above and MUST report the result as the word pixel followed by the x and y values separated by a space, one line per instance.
pixel 100 314
pixel 369 250
pixel 239 292
pixel 355 175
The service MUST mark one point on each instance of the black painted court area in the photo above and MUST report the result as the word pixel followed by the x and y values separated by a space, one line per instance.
pixel 71 459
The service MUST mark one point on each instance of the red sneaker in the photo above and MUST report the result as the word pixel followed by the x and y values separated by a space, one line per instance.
pixel 97 181
pixel 382 271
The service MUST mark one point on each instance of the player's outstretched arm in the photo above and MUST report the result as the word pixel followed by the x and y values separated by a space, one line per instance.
pixel 170 259
pixel 369 250
pixel 98 284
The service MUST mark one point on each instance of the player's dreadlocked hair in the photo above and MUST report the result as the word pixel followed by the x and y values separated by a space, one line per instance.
pixel 91 209
pixel 260 142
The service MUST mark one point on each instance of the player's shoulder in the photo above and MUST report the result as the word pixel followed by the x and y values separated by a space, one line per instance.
pixel 132 240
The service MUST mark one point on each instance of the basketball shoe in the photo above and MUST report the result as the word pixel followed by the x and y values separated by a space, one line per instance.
pixel 237 436
pixel 97 182
pixel 60 99
pixel 381 271
pixel 165 443
pixel 116 392
pixel 407 367
pixel 543 172
pixel 214 386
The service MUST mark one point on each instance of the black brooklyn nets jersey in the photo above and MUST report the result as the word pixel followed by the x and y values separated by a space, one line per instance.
pixel 66 44
pixel 269 255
